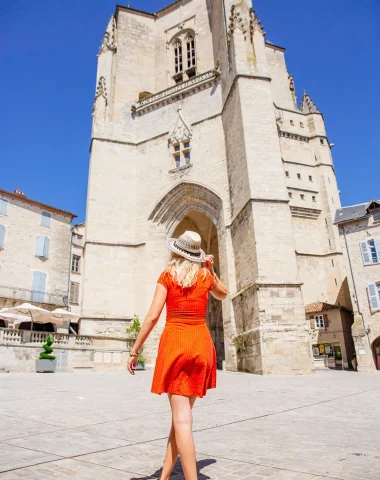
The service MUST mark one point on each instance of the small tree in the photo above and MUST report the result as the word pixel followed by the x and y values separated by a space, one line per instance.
pixel 47 350
pixel 134 328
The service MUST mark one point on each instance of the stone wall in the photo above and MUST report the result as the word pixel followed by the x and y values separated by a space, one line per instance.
pixel 365 319
pixel 18 258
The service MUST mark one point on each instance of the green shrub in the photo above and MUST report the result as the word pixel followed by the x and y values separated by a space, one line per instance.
pixel 47 350
pixel 134 328
pixel 140 358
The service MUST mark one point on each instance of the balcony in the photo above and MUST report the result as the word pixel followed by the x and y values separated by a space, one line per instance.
pixel 29 295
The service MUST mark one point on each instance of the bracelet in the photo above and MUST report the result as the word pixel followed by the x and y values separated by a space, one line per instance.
pixel 133 354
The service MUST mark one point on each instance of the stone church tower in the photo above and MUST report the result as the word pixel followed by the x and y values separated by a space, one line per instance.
pixel 196 126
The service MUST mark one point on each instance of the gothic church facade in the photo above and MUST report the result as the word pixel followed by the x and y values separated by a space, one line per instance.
pixel 196 126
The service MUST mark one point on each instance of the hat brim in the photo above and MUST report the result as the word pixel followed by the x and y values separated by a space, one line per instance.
pixel 194 258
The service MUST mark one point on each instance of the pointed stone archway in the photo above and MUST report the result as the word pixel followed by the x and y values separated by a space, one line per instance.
pixel 182 199
pixel 191 206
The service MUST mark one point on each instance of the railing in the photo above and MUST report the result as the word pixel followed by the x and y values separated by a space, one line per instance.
pixel 28 295
pixel 13 336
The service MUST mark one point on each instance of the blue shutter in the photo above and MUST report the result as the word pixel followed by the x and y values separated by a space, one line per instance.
pixel 40 245
pixel 367 259
pixel 46 247
pixel 38 287
pixel 45 219
pixel 3 206
pixel 373 297
pixel 2 235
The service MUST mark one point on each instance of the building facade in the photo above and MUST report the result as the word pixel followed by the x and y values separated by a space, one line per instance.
pixel 76 268
pixel 35 242
pixel 359 230
pixel 196 126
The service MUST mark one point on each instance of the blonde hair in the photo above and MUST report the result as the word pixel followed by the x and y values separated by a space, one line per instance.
pixel 183 271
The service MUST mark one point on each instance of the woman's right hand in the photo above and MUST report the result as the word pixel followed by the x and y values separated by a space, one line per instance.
pixel 208 260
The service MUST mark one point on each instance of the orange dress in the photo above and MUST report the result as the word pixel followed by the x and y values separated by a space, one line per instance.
pixel 186 358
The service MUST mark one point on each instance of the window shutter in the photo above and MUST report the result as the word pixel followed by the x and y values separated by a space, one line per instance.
pixel 377 246
pixel 326 320
pixel 2 236
pixel 373 297
pixel 312 322
pixel 46 247
pixel 3 206
pixel 40 245
pixel 39 286
pixel 45 219
pixel 367 259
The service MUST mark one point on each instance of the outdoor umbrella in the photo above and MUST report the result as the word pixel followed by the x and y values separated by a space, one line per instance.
pixel 13 317
pixel 64 315
pixel 37 314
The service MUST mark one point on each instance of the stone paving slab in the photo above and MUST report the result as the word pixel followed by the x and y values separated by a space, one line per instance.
pixel 68 443
pixel 16 457
pixel 109 426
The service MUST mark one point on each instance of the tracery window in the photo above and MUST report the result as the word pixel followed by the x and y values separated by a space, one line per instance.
pixel 181 154
pixel 184 57
pixel 178 64
pixel 190 49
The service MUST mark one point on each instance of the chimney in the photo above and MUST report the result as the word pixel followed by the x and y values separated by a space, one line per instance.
pixel 19 192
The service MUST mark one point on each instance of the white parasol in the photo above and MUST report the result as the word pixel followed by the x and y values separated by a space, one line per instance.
pixel 65 316
pixel 37 314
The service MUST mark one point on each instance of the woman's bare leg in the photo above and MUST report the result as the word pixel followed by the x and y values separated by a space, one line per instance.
pixel 172 448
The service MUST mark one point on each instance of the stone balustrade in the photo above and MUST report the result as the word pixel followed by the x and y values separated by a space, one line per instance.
pixel 23 337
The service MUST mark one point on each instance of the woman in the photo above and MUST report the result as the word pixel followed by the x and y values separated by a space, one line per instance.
pixel 186 360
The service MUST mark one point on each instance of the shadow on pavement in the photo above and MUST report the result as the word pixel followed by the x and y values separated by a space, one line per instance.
pixel 177 473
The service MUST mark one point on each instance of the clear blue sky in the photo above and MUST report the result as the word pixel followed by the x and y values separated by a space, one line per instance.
pixel 48 67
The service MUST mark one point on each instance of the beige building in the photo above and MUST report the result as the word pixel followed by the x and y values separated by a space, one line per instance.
pixel 359 230
pixel 35 244
pixel 196 125
pixel 76 268
pixel 331 337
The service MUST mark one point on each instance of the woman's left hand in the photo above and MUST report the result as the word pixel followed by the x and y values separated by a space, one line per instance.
pixel 132 364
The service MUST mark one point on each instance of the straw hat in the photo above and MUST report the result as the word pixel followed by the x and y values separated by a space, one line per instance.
pixel 187 245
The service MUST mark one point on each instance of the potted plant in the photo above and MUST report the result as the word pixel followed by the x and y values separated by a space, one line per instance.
pixel 134 328
pixel 140 365
pixel 46 363
pixel 132 332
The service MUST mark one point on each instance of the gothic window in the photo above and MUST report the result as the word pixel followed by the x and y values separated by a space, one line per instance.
pixel 184 57
pixel 181 153
pixel 190 52
pixel 178 64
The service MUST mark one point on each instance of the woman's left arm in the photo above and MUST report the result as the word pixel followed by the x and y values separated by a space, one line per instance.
pixel 148 324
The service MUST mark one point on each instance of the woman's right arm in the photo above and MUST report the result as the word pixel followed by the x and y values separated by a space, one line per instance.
pixel 218 290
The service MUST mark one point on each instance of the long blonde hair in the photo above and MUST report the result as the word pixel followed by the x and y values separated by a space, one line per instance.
pixel 183 271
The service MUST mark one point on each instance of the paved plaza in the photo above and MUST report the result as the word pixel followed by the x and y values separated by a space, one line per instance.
pixel 109 426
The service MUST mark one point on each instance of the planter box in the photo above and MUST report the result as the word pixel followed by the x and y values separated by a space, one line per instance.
pixel 45 366
pixel 140 366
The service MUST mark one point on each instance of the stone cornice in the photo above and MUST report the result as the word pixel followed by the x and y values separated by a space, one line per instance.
pixel 293 136
pixel 256 199
pixel 170 94
pixel 296 111
pixel 237 76
pixel 117 244
pixel 302 189
pixel 319 255
pixel 303 212
pixel 265 284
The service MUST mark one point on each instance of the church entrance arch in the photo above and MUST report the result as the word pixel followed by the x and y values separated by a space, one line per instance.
pixel 190 206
